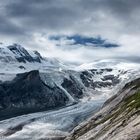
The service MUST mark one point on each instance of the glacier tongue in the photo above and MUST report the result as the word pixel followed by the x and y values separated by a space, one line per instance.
pixel 48 124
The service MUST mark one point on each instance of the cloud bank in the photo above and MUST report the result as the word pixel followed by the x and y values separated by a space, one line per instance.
pixel 31 23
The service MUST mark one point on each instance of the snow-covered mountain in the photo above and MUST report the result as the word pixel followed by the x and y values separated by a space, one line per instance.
pixel 16 59
pixel 15 52
pixel 30 83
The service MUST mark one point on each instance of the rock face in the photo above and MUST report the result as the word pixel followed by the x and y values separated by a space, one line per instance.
pixel 118 119
pixel 72 87
pixel 28 93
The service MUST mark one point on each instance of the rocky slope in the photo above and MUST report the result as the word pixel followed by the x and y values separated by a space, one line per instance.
pixel 28 93
pixel 119 119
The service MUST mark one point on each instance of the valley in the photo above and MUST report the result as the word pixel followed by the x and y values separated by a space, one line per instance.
pixel 43 98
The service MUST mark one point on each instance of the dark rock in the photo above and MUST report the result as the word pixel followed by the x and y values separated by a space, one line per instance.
pixel 87 78
pixel 107 69
pixel 115 80
pixel 27 92
pixel 72 87
pixel 100 84
pixel 22 67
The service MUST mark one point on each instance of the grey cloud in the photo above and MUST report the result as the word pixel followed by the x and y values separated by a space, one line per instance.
pixel 9 28
pixel 49 14
pixel 113 19
pixel 65 15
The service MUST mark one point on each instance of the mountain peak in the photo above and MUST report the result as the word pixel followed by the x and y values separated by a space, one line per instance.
pixel 19 53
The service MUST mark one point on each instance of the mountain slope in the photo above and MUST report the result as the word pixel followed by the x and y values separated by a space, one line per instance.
pixel 28 93
pixel 118 119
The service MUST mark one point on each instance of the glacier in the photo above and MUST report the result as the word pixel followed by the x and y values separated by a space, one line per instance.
pixel 58 123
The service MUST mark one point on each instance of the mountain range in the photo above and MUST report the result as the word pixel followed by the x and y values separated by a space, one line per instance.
pixel 44 98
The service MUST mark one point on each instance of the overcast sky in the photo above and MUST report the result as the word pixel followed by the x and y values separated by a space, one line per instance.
pixel 31 23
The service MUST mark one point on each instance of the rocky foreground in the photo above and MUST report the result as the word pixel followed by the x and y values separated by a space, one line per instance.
pixel 119 119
